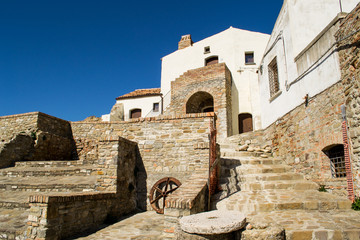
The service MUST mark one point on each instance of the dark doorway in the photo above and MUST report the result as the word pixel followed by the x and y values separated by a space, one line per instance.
pixel 211 60
pixel 200 102
pixel 135 113
pixel 245 122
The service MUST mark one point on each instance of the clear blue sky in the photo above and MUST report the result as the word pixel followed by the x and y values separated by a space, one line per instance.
pixel 71 59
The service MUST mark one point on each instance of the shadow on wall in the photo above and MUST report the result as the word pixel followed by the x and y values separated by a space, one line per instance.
pixel 141 177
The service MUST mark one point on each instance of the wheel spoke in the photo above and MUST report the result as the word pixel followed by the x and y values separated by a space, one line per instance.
pixel 158 189
pixel 171 190
pixel 156 199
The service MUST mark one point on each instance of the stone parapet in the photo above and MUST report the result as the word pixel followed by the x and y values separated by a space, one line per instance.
pixel 48 138
pixel 58 217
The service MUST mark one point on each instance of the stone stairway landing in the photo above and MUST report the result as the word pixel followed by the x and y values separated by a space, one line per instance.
pixel 38 177
pixel 267 190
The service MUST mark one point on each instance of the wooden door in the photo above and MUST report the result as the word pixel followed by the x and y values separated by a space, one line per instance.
pixel 245 123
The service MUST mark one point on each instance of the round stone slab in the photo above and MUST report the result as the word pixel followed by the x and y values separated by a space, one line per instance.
pixel 213 222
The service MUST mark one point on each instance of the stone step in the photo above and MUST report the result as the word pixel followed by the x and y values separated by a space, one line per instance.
pixel 231 162
pixel 251 169
pixel 13 223
pixel 299 224
pixel 55 163
pixel 271 177
pixel 49 183
pixel 273 200
pixel 284 184
pixel 47 171
pixel 227 153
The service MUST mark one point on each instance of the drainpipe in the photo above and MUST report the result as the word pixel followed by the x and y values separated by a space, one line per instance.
pixel 349 178
pixel 340 6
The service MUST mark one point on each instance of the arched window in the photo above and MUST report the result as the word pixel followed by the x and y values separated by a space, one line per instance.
pixel 245 122
pixel 200 102
pixel 337 160
pixel 135 113
pixel 211 60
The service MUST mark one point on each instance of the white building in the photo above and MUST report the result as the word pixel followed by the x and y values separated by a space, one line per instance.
pixel 136 104
pixel 299 61
pixel 240 50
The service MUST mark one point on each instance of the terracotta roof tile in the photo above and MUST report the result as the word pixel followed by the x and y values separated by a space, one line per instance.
pixel 141 93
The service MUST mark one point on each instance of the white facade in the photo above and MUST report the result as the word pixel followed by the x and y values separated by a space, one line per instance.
pixel 302 42
pixel 230 46
pixel 145 103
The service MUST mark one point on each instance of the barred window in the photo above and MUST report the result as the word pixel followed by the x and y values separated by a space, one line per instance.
pixel 273 77
pixel 337 160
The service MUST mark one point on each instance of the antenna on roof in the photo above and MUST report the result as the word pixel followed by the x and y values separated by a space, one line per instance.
pixel 340 6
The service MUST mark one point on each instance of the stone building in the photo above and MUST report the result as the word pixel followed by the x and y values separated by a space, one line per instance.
pixel 293 97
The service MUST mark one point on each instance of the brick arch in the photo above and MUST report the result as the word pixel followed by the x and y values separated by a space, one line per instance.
pixel 211 60
pixel 199 102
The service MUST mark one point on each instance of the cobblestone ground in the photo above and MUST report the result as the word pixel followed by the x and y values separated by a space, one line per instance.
pixel 146 226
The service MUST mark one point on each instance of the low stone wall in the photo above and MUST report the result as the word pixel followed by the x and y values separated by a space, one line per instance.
pixel 167 146
pixel 58 217
pixel 349 54
pixel 300 136
pixel 51 138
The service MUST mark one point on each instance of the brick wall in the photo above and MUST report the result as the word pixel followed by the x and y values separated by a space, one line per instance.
pixel 300 136
pixel 349 54
pixel 48 138
pixel 215 80
pixel 167 146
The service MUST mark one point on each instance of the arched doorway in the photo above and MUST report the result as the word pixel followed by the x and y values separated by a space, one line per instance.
pixel 200 102
pixel 211 60
pixel 135 113
pixel 245 122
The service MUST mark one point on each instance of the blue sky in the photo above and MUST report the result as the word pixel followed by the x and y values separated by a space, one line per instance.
pixel 71 59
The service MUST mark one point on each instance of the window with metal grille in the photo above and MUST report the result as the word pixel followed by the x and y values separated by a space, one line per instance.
pixel 273 77
pixel 337 160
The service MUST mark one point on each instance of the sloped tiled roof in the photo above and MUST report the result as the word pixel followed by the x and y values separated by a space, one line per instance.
pixel 141 93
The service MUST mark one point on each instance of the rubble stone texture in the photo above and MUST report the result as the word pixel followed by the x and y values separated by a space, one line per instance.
pixel 349 54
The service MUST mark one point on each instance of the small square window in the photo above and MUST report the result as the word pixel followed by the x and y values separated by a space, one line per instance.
pixel 249 58
pixel 206 49
pixel 155 107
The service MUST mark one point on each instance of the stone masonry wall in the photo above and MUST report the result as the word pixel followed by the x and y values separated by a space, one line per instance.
pixel 58 216
pixel 349 54
pixel 300 136
pixel 48 138
pixel 215 80
pixel 167 146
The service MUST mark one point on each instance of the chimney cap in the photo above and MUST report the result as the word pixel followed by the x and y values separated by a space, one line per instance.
pixel 185 41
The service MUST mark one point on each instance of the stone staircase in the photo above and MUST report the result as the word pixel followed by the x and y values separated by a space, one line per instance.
pixel 268 191
pixel 30 178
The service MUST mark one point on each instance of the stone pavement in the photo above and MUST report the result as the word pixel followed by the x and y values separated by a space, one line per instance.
pixel 145 226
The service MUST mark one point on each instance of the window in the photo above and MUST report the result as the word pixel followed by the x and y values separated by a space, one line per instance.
pixel 273 78
pixel 135 113
pixel 211 60
pixel 337 160
pixel 249 58
pixel 206 49
pixel 155 107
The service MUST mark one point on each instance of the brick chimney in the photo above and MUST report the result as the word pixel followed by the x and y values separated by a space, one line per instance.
pixel 185 41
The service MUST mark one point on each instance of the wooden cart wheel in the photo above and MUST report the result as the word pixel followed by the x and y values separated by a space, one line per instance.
pixel 160 191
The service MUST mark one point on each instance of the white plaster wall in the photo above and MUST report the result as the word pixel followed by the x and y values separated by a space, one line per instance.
pixel 230 46
pixel 285 50
pixel 143 103
pixel 308 18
